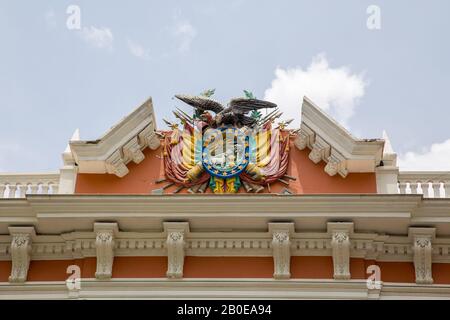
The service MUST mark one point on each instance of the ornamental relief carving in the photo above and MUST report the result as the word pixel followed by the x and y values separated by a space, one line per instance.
pixel 281 254
pixel 423 260
pixel 20 256
pixel 104 244
pixel 175 254
pixel 340 237
pixel 340 243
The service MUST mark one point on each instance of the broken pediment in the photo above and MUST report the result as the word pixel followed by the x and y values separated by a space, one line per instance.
pixel 333 144
pixel 122 144
pixel 123 148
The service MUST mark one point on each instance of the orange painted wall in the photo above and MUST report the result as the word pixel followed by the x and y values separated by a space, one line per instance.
pixel 225 267
pixel 228 267
pixel 397 272
pixel 5 270
pixel 55 270
pixel 311 178
pixel 311 267
pixel 441 273
pixel 139 267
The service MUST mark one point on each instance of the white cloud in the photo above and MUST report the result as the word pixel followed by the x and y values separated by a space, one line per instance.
pixel 437 157
pixel 335 90
pixel 101 38
pixel 138 50
pixel 185 33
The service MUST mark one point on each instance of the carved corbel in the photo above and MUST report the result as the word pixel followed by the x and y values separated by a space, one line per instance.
pixel 20 252
pixel 320 150
pixel 176 233
pixel 104 245
pixel 340 244
pixel 281 248
pixel 132 150
pixel 336 164
pixel 304 138
pixel 149 138
pixel 116 165
pixel 423 252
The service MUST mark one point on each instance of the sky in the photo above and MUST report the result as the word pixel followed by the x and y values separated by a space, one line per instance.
pixel 373 65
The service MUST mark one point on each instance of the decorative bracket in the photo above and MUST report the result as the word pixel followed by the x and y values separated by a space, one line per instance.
pixel 104 244
pixel 150 138
pixel 340 244
pixel 423 250
pixel 176 232
pixel 132 150
pixel 20 252
pixel 320 150
pixel 115 164
pixel 336 164
pixel 305 138
pixel 281 245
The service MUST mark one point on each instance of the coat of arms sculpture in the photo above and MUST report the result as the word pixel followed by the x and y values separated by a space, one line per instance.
pixel 226 147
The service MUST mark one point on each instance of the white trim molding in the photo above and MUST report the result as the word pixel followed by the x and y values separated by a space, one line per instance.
pixel 123 143
pixel 176 232
pixel 20 249
pixel 104 246
pixel 333 144
pixel 281 244
pixel 423 250
pixel 340 244
pixel 232 288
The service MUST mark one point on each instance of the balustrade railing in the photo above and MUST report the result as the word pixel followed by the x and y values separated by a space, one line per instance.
pixel 430 184
pixel 17 185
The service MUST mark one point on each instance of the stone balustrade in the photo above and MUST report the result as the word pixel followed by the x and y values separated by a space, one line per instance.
pixel 432 184
pixel 17 185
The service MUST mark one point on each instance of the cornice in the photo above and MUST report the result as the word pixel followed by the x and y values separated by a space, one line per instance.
pixel 81 244
pixel 123 143
pixel 64 213
pixel 333 144
pixel 222 289
pixel 337 135
pixel 194 203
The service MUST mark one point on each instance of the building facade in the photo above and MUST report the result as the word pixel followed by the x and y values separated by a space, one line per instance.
pixel 333 217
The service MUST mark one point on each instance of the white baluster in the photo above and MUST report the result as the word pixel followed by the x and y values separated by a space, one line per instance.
pixel 414 187
pixel 447 189
pixel 44 189
pixel 425 189
pixel 2 190
pixel 436 189
pixel 402 187
pixel 34 188
pixel 55 188
pixel 22 190
pixel 12 191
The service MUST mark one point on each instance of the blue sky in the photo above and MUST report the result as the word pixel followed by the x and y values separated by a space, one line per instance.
pixel 54 80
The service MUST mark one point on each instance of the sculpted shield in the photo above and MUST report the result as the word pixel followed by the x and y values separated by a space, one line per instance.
pixel 225 152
